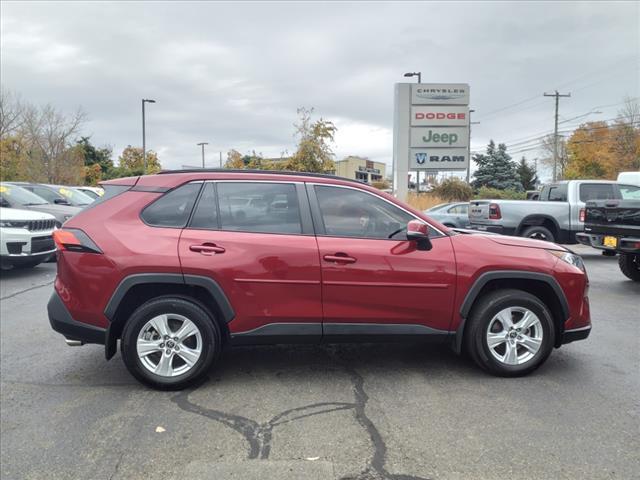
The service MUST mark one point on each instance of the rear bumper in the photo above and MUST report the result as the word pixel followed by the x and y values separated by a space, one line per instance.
pixel 595 240
pixel 62 322
pixel 575 334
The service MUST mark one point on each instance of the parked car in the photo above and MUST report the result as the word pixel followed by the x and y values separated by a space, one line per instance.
pixel 629 178
pixel 57 194
pixel 91 192
pixel 556 216
pixel 14 196
pixel 161 264
pixel 614 226
pixel 25 238
pixel 451 214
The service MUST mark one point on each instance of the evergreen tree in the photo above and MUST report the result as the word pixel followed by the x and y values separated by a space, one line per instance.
pixel 527 175
pixel 496 169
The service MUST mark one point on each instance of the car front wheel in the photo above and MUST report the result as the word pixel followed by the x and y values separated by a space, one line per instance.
pixel 629 264
pixel 169 343
pixel 510 333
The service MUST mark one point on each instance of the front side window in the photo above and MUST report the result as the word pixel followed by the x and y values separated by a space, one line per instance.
pixel 459 210
pixel 353 213
pixel 629 192
pixel 49 195
pixel 173 208
pixel 596 191
pixel 259 207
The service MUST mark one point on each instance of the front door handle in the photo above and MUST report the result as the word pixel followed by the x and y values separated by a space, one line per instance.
pixel 339 258
pixel 207 249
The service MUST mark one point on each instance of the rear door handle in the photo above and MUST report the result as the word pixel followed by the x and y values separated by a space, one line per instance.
pixel 207 249
pixel 339 258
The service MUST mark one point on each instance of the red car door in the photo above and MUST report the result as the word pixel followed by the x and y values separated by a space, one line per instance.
pixel 255 240
pixel 374 281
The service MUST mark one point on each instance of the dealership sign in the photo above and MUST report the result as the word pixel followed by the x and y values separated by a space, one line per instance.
pixel 431 130
pixel 439 137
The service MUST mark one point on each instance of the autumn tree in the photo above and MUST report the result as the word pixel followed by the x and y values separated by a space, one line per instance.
pixel 131 161
pixel 590 152
pixel 11 113
pixel 314 153
pixel 496 169
pixel 547 146
pixel 234 160
pixel 625 137
pixel 15 162
pixel 97 161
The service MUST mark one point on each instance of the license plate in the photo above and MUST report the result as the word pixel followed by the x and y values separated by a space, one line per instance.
pixel 610 242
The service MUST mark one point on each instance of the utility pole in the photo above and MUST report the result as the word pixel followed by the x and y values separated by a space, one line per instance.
pixel 202 144
pixel 555 130
pixel 144 139
pixel 220 159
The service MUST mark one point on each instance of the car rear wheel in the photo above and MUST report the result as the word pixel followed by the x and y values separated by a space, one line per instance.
pixel 510 333
pixel 170 342
pixel 538 232
pixel 629 264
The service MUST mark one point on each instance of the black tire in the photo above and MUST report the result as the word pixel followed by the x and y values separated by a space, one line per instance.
pixel 479 321
pixel 539 232
pixel 207 326
pixel 629 264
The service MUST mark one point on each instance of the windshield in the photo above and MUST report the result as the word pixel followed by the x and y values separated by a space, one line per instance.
pixel 75 197
pixel 18 195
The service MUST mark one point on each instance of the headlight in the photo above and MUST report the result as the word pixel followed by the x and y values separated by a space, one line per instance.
pixel 13 224
pixel 570 258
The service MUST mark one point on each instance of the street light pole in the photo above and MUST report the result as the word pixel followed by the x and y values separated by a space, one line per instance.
pixel 419 75
pixel 202 144
pixel 144 139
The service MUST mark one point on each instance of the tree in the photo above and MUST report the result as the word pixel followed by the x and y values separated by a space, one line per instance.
pixel 314 152
pixel 590 152
pixel 625 133
pixel 547 145
pixel 527 175
pixel 15 163
pixel 49 134
pixel 495 169
pixel 11 113
pixel 131 161
pixel 234 160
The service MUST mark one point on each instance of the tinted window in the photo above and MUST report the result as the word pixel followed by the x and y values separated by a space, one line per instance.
pixel 558 193
pixel 206 213
pixel 629 192
pixel 14 195
pixel 173 208
pixel 353 213
pixel 49 195
pixel 259 207
pixel 596 191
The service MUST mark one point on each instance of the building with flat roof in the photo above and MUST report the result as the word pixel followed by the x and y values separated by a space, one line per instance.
pixel 361 169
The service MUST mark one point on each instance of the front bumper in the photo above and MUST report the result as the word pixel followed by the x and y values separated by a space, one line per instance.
pixel 575 334
pixel 62 322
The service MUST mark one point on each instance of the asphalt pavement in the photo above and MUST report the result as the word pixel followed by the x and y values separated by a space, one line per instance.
pixel 379 412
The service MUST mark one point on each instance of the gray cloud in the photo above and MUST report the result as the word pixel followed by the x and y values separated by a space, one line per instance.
pixel 233 74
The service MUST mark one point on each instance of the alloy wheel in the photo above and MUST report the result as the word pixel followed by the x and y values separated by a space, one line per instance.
pixel 514 335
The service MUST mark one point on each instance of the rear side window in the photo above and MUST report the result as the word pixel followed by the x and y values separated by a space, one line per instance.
pixel 459 210
pixel 206 213
pixel 259 207
pixel 596 191
pixel 629 192
pixel 558 193
pixel 173 208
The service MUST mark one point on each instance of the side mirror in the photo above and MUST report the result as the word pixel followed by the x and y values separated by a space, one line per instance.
pixel 61 201
pixel 419 232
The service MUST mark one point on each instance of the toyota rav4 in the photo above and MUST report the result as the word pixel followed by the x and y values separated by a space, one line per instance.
pixel 180 264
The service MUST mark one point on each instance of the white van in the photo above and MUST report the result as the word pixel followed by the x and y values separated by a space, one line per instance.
pixel 629 178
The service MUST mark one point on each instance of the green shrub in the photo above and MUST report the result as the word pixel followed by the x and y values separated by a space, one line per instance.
pixel 494 193
pixel 453 190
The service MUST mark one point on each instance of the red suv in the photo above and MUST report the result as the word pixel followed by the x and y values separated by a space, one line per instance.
pixel 178 265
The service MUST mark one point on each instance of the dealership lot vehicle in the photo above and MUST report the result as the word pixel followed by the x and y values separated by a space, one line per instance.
pixel 91 192
pixel 25 238
pixel 450 214
pixel 216 273
pixel 556 216
pixel 357 411
pixel 13 196
pixel 57 194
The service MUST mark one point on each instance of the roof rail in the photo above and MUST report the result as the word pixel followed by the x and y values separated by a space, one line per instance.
pixel 268 172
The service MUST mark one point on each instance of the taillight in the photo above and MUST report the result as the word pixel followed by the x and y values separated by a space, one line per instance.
pixel 583 214
pixel 74 240
pixel 494 211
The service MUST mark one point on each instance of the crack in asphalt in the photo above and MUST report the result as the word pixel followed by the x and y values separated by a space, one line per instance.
pixel 259 435
pixel 26 290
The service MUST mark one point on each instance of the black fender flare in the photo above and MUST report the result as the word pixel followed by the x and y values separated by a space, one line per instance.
pixel 130 281
pixel 487 277
pixel 523 223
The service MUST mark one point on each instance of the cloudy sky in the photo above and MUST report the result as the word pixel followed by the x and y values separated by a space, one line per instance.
pixel 233 74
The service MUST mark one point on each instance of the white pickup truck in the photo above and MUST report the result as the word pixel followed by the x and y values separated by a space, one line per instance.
pixel 556 216
pixel 25 238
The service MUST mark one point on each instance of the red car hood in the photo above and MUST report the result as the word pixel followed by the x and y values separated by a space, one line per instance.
pixel 524 242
